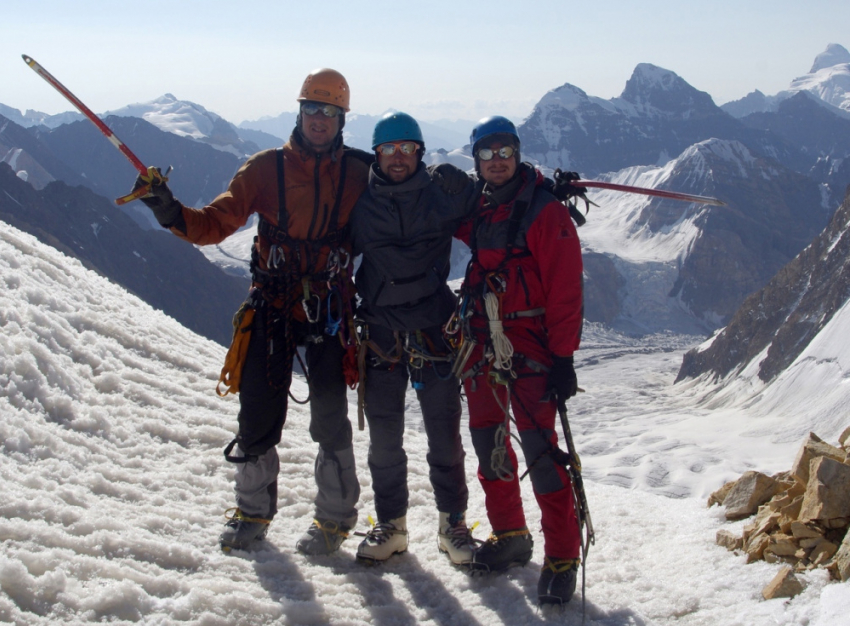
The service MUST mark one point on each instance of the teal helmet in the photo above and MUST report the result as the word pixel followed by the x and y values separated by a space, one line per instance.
pixel 396 127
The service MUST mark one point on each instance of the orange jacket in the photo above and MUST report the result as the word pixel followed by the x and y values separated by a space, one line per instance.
pixel 312 185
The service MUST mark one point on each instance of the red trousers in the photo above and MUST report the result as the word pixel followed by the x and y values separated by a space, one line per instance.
pixel 535 423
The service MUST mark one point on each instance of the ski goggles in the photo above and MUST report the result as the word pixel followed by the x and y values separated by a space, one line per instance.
pixel 407 148
pixel 505 152
pixel 312 108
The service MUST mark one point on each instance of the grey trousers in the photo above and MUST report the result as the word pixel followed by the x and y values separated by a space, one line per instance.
pixel 439 398
pixel 262 414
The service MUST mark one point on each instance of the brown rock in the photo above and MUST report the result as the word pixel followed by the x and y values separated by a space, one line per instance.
pixel 755 547
pixel 842 559
pixel 782 545
pixel 728 540
pixel 720 495
pixel 827 492
pixel 824 551
pixel 792 511
pixel 784 585
pixel 813 448
pixel 767 523
pixel 810 542
pixel 844 438
pixel 803 565
pixel 770 557
pixel 805 531
pixel 780 501
pixel 764 522
pixel 796 490
pixel 749 492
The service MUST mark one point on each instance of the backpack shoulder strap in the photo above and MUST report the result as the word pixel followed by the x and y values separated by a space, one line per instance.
pixel 282 214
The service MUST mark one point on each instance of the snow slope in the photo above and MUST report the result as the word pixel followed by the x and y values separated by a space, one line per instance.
pixel 113 485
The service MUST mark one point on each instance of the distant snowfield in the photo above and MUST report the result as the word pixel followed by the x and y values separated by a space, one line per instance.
pixel 113 485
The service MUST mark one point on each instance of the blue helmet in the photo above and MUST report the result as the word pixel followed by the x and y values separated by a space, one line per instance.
pixel 493 125
pixel 396 127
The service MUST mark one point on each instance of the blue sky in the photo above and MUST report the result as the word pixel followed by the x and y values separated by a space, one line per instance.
pixel 435 59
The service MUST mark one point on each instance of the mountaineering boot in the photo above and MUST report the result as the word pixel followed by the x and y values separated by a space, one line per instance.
pixel 454 538
pixel 383 540
pixel 322 538
pixel 241 531
pixel 557 581
pixel 502 550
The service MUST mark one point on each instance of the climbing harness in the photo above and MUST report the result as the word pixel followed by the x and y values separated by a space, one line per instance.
pixel 414 349
pixel 287 278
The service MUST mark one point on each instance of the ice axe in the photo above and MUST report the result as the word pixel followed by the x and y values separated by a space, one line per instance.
pixel 151 175
pixel 572 464
pixel 571 179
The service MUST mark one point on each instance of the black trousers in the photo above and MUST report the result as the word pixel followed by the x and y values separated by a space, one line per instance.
pixel 263 396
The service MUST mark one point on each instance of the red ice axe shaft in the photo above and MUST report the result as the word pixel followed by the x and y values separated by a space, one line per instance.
pixel 661 193
pixel 82 108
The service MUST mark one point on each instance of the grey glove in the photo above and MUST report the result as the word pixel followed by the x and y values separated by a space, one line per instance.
pixel 166 209
pixel 452 180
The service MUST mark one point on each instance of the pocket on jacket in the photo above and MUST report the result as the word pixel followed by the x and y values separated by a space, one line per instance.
pixel 405 289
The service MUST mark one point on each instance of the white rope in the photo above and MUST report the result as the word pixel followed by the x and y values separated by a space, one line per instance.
pixel 503 349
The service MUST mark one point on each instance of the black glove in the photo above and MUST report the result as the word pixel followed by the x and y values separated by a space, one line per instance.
pixel 166 209
pixel 452 180
pixel 565 190
pixel 564 187
pixel 562 382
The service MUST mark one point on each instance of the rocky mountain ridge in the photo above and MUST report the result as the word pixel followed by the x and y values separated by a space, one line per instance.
pixel 657 116
pixel 776 323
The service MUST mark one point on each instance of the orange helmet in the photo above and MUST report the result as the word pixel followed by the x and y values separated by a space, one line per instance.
pixel 327 86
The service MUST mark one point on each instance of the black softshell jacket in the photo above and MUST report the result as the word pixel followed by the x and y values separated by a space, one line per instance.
pixel 404 232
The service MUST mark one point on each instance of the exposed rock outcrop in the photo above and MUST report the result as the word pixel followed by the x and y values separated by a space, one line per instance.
pixel 780 320
pixel 801 517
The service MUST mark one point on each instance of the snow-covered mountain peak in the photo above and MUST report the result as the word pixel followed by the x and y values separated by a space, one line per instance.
pixel 828 81
pixel 566 96
pixel 188 119
pixel 830 84
pixel 650 75
pixel 697 156
pixel 835 54
pixel 180 117
pixel 656 91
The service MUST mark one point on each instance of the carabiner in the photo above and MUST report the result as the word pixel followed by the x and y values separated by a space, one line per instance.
pixel 332 324
pixel 496 283
pixel 304 303
pixel 332 265
pixel 347 255
pixel 277 258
